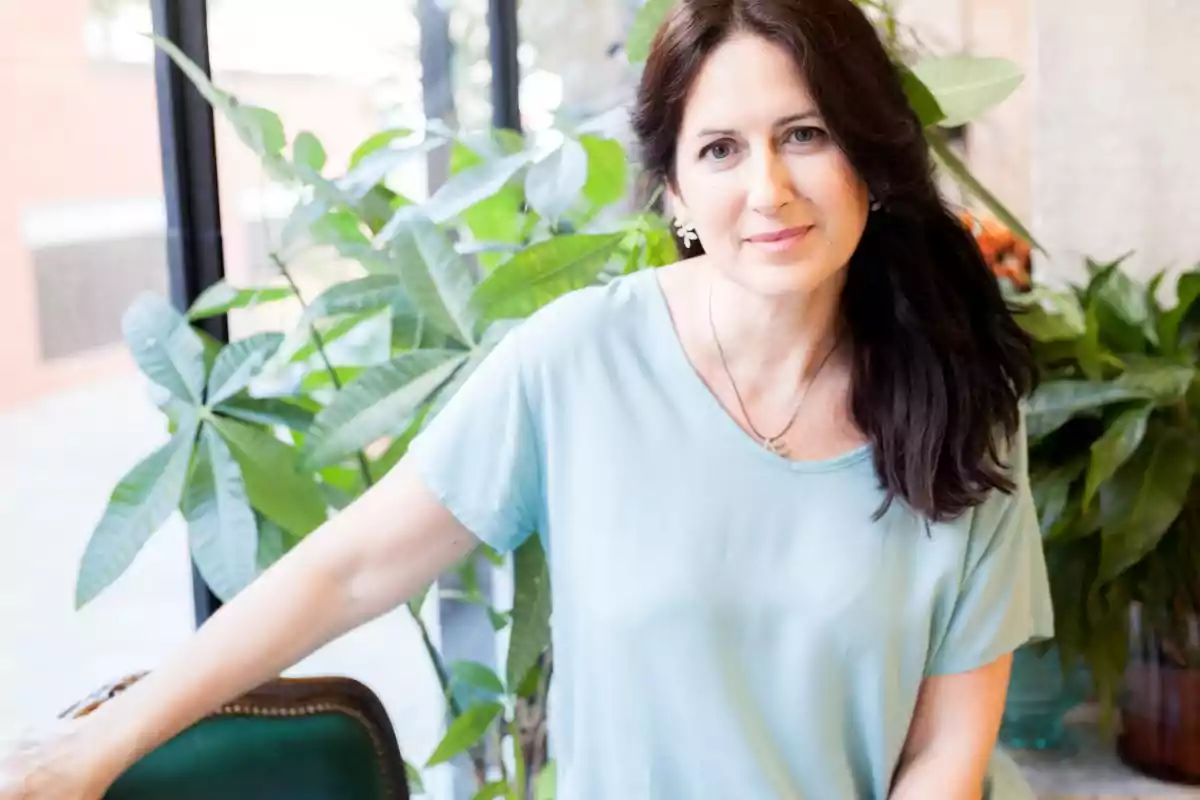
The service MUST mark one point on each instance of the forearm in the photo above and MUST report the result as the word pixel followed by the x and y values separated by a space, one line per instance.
pixel 952 734
pixel 945 775
pixel 374 555
pixel 293 609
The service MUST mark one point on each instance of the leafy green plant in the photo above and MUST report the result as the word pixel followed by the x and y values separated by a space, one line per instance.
pixel 1114 434
pixel 274 432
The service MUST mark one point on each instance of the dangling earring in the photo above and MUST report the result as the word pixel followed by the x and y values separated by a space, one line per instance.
pixel 687 233
pixel 875 204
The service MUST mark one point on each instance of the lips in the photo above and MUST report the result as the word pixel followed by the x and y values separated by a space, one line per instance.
pixel 781 235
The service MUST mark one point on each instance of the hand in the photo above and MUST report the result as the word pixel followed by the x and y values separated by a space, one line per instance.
pixel 52 764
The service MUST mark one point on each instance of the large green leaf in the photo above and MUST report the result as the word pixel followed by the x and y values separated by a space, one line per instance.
pixel 966 87
pixel 258 128
pixel 273 542
pixel 322 379
pixel 465 732
pixel 377 404
pixel 476 676
pixel 645 25
pixel 369 293
pixel 372 169
pixel 308 150
pixel 1143 499
pixel 554 184
pixel 268 411
pixel 275 485
pixel 1050 316
pixel 546 785
pixel 1164 383
pixel 660 248
pixel 301 345
pixel 531 610
pixel 1051 492
pixel 1088 349
pixel 437 280
pixel 451 273
pixel 222 531
pixel 493 790
pixel 1187 292
pixel 1114 448
pixel 342 230
pixel 544 272
pixel 607 171
pixel 415 785
pixel 363 340
pixel 221 298
pixel 165 347
pixel 921 98
pixel 472 186
pixel 1055 402
pixel 197 76
pixel 1122 309
pixel 300 221
pixel 377 141
pixel 962 174
pixel 491 337
pixel 472 148
pixel 138 506
pixel 238 363
pixel 500 218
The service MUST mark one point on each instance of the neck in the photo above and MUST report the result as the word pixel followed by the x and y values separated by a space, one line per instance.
pixel 767 337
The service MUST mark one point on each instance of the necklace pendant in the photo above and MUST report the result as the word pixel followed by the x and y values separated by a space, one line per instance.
pixel 776 446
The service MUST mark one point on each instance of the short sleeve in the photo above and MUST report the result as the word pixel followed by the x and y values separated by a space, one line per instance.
pixel 479 454
pixel 1004 599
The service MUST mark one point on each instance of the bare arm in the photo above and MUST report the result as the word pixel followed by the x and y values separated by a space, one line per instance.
pixel 952 735
pixel 374 555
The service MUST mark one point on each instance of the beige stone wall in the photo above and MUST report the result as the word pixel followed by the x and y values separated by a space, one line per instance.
pixel 1116 123
pixel 1097 150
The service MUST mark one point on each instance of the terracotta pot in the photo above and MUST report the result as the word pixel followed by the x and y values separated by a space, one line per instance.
pixel 1160 710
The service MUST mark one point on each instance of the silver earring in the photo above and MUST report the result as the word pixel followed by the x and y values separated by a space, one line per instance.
pixel 875 204
pixel 687 233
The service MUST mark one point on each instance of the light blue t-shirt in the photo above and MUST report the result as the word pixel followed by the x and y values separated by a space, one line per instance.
pixel 728 624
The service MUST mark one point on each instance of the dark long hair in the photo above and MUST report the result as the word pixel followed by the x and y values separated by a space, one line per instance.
pixel 939 363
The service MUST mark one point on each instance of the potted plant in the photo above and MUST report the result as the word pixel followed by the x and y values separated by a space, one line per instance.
pixel 1114 438
pixel 1040 689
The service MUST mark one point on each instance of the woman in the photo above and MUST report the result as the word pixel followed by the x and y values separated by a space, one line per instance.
pixel 781 482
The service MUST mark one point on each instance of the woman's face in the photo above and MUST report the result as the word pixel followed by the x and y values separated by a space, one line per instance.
pixel 773 200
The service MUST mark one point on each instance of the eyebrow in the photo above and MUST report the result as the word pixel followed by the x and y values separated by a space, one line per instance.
pixel 811 114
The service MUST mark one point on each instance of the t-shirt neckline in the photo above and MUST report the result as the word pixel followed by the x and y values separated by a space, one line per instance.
pixel 675 359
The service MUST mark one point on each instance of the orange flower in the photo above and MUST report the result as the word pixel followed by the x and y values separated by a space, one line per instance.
pixel 1007 254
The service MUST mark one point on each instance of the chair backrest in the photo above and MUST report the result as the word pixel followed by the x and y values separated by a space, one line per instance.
pixel 291 738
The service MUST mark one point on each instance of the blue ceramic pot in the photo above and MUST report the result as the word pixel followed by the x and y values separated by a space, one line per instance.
pixel 1039 696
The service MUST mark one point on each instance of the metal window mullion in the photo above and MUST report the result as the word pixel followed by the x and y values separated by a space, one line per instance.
pixel 195 257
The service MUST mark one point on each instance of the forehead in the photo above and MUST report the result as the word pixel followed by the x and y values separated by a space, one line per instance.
pixel 746 82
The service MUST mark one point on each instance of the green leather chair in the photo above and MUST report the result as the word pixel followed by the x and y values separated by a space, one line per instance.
pixel 290 739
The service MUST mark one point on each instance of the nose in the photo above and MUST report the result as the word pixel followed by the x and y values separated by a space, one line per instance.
pixel 770 184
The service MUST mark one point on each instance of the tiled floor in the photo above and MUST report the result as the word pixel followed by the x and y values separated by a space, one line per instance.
pixel 59 459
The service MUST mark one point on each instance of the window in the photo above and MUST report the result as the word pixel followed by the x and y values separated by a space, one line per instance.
pixel 81 233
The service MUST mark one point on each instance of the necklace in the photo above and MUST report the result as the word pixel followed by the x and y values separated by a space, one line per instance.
pixel 774 444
